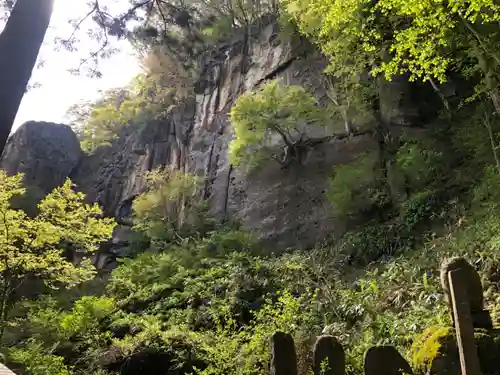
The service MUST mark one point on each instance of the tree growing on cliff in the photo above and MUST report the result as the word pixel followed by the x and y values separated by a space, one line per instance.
pixel 149 96
pixel 37 247
pixel 271 123
pixel 424 40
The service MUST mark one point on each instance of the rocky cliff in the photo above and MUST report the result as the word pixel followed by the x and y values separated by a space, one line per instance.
pixel 195 136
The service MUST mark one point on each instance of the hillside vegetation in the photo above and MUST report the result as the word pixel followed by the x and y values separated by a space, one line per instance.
pixel 201 296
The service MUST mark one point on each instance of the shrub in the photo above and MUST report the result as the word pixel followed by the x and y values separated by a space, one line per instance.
pixel 35 360
pixel 166 212
pixel 419 165
pixel 86 315
pixel 355 187
pixel 374 241
pixel 419 207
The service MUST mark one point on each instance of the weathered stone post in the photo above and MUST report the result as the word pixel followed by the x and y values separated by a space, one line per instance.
pixel 385 360
pixel 473 289
pixel 283 356
pixel 329 356
pixel 467 349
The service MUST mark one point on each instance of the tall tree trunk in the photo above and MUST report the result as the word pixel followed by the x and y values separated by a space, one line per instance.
pixel 20 44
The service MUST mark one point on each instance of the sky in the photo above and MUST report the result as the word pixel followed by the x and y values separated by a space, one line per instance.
pixel 60 89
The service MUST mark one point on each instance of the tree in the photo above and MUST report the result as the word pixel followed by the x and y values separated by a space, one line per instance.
pixel 166 211
pixel 425 40
pixel 150 95
pixel 177 25
pixel 36 247
pixel 271 123
pixel 20 43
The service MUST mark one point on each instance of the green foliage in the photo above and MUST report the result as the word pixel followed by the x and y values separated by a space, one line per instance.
pixel 166 212
pixel 268 119
pixel 419 207
pixel 473 139
pixel 418 165
pixel 35 246
pixel 220 29
pixel 487 189
pixel 28 202
pixel 247 351
pixel 428 346
pixel 86 314
pixel 421 43
pixel 149 96
pixel 37 363
pixel 211 310
pixel 375 240
pixel 355 187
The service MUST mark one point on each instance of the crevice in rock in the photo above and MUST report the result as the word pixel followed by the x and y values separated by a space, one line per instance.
pixel 208 171
pixel 280 69
pixel 151 160
pixel 228 184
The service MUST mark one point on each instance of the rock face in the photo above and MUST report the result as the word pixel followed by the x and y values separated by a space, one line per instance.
pixel 113 176
pixel 272 202
pixel 45 152
pixel 194 137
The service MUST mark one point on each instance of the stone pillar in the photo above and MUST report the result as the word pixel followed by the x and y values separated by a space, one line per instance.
pixel 385 360
pixel 283 356
pixel 328 356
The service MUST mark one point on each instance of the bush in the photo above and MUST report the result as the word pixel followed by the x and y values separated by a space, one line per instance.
pixel 355 187
pixel 35 360
pixel 166 212
pixel 419 165
pixel 374 241
pixel 86 315
pixel 419 207
pixel 487 190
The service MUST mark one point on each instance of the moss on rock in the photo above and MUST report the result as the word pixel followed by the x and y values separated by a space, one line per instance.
pixel 430 347
pixel 435 352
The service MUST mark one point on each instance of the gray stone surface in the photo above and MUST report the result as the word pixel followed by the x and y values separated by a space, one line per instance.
pixel 284 207
pixel 45 152
pixel 385 360
pixel 328 356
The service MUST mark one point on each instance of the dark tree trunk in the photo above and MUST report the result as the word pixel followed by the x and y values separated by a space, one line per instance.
pixel 20 44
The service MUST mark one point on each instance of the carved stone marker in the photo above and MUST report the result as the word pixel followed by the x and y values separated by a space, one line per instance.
pixel 473 290
pixel 283 356
pixel 385 360
pixel 328 356
pixel 467 349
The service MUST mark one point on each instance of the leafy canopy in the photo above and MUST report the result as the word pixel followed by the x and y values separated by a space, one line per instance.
pixel 394 37
pixel 145 98
pixel 35 246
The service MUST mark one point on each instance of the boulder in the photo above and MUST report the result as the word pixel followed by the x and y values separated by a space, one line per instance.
pixel 45 152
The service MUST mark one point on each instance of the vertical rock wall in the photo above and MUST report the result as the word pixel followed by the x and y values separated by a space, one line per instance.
pixel 285 207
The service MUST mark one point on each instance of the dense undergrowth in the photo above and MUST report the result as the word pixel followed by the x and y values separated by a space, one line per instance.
pixel 203 297
pixel 206 301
